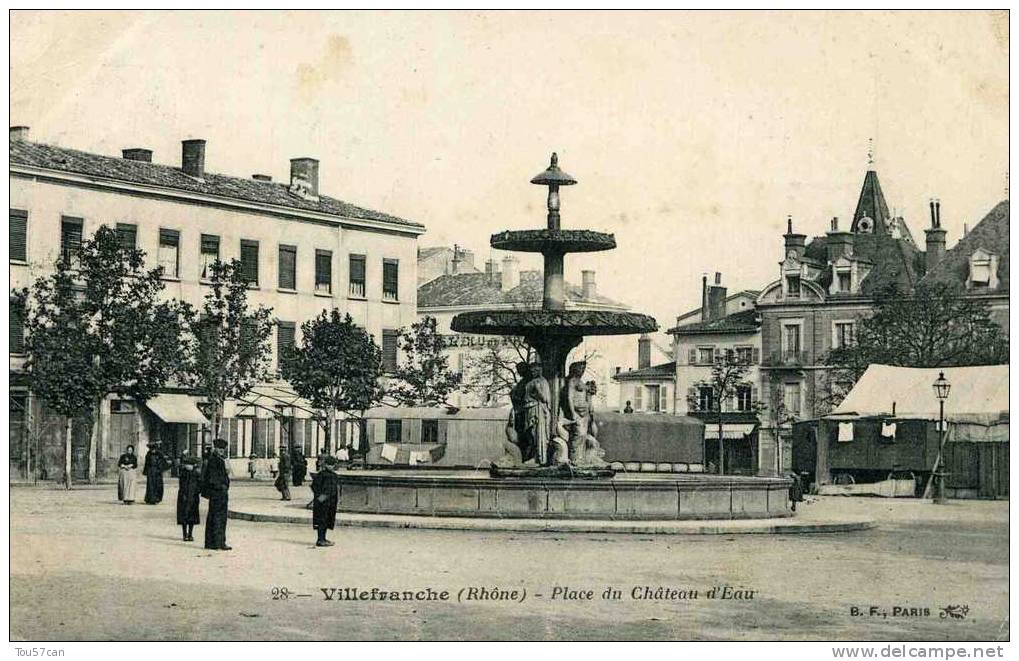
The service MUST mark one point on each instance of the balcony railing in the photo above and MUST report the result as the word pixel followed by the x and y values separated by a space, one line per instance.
pixel 357 289
pixel 787 359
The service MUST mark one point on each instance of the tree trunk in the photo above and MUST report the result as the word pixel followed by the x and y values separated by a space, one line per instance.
pixel 217 420
pixel 67 452
pixel 95 440
pixel 330 425
pixel 721 446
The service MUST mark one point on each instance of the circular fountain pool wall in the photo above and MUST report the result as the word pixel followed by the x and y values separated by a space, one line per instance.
pixel 645 496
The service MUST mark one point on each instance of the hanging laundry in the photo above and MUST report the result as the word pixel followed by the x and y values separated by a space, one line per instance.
pixel 845 432
pixel 389 452
pixel 417 457
pixel 888 429
pixel 342 454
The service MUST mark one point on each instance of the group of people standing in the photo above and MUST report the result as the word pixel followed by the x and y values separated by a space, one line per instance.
pixel 209 477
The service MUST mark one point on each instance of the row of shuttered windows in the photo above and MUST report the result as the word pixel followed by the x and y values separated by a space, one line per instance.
pixel 708 354
pixel 168 256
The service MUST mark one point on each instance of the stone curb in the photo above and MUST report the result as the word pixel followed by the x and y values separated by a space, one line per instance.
pixel 716 527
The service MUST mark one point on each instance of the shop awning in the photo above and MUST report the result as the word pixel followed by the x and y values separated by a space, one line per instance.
pixel 176 408
pixel 729 431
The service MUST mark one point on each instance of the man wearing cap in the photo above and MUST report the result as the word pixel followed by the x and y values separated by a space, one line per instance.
pixel 215 487
pixel 326 490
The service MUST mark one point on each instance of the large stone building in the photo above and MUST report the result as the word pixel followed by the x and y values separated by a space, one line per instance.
pixel 828 284
pixel 723 324
pixel 503 285
pixel 304 252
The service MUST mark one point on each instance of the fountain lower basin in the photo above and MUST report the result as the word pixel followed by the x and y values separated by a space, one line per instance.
pixel 644 496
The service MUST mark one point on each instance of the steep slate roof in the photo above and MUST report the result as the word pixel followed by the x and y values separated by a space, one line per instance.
pixel 896 262
pixel 872 204
pixel 991 234
pixel 475 289
pixel 744 321
pixel 663 371
pixel 23 152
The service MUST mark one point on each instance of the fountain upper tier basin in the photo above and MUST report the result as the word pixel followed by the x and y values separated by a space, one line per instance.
pixel 570 323
pixel 549 240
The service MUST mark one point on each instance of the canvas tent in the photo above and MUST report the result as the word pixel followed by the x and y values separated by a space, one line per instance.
pixel 976 408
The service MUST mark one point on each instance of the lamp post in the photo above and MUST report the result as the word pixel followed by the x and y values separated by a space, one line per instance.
pixel 941 389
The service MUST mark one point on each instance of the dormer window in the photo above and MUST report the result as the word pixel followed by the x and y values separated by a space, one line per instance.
pixel 983 270
pixel 844 277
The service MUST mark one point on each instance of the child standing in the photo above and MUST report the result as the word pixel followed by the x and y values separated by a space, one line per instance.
pixel 187 496
pixel 252 466
pixel 325 487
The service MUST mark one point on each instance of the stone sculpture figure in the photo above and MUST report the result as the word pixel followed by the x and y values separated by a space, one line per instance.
pixel 575 405
pixel 538 413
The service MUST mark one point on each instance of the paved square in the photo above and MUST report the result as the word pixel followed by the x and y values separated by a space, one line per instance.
pixel 85 567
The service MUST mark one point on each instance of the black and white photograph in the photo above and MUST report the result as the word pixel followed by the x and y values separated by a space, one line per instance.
pixel 509 325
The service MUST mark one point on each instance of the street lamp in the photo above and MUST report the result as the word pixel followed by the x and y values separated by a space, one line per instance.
pixel 941 389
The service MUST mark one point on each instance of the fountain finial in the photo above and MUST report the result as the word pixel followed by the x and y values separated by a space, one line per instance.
pixel 554 163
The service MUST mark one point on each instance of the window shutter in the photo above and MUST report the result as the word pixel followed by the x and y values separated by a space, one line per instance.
pixel 17 335
pixel 756 356
pixel 128 235
pixel 19 232
pixel 663 402
pixel 638 398
pixel 390 279
pixel 210 244
pixel 285 332
pixel 693 356
pixel 70 237
pixel 323 267
pixel 389 350
pixel 169 238
pixel 357 268
pixel 249 261
pixel 718 355
pixel 288 267
pixel 691 398
pixel 754 397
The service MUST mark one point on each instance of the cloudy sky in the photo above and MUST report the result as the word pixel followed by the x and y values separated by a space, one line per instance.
pixel 693 135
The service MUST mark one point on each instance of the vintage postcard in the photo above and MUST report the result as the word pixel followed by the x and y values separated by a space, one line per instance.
pixel 510 326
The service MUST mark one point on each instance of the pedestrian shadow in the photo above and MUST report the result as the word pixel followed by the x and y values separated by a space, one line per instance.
pixel 295 542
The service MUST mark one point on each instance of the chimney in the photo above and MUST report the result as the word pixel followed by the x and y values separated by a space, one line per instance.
pixel 935 238
pixel 510 273
pixel 588 287
pixel 643 352
pixel 492 272
pixel 455 262
pixel 192 160
pixel 704 297
pixel 137 154
pixel 261 177
pixel 304 177
pixel 716 299
pixel 794 242
pixel 19 133
pixel 838 243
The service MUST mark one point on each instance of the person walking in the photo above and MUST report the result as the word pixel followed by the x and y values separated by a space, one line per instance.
pixel 155 465
pixel 325 487
pixel 128 465
pixel 216 487
pixel 300 466
pixel 189 485
pixel 283 474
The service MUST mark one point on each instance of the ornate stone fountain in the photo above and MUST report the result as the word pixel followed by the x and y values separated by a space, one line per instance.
pixel 554 331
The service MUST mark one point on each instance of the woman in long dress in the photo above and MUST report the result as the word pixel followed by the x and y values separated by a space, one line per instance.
pixel 155 465
pixel 128 464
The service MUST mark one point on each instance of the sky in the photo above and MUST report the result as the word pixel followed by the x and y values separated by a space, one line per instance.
pixel 692 134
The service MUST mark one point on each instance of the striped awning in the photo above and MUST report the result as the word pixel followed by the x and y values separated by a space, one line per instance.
pixel 729 431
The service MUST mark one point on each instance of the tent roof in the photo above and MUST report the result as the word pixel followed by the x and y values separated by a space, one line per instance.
pixel 978 394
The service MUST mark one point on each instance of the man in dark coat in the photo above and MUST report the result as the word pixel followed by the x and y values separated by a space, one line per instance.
pixel 215 487
pixel 325 487
pixel 155 465
pixel 283 473
pixel 300 465
pixel 187 496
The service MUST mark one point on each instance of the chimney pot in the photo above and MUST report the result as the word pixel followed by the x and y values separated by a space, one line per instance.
pixel 137 154
pixel 643 352
pixel 193 158
pixel 588 287
pixel 19 133
pixel 261 177
pixel 304 177
pixel 510 273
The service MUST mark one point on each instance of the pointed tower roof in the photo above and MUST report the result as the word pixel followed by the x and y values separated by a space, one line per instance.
pixel 871 205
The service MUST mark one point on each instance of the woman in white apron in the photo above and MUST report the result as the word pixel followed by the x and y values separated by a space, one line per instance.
pixel 128 465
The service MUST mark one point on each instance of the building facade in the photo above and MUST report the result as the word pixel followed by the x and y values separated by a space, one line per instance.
pixel 827 285
pixel 303 253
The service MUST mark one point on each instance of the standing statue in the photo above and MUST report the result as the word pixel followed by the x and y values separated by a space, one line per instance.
pixel 517 425
pixel 538 413
pixel 575 404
